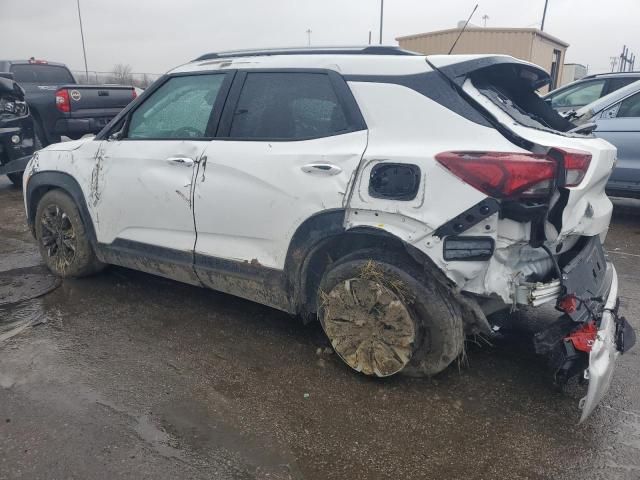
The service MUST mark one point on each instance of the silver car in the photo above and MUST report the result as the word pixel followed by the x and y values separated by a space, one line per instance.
pixel 616 118
pixel 588 89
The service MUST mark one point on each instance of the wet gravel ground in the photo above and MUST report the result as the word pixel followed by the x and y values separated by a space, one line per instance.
pixel 125 375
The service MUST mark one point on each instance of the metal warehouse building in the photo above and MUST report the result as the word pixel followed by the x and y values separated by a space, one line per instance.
pixel 528 44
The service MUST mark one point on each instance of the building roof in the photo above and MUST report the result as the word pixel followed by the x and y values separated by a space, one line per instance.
pixel 533 31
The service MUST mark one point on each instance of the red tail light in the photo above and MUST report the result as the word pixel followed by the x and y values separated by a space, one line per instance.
pixel 133 94
pixel 509 175
pixel 62 100
pixel 576 164
pixel 502 175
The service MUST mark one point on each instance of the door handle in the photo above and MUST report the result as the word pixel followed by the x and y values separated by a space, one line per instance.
pixel 321 169
pixel 186 161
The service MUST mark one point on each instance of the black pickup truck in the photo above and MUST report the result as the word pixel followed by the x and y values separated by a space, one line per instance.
pixel 59 105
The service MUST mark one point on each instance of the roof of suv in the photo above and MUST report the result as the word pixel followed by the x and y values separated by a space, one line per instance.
pixel 373 60
pixel 367 50
pixel 612 74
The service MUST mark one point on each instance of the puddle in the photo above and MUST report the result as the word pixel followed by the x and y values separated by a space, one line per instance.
pixel 15 319
pixel 25 284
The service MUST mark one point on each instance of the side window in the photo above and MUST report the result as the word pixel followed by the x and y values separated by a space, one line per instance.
pixel 180 108
pixel 288 106
pixel 614 84
pixel 578 95
pixel 629 107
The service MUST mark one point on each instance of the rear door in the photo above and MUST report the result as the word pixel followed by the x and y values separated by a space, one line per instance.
pixel 620 125
pixel 288 144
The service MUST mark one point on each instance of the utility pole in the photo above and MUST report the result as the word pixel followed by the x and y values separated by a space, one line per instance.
pixel 84 50
pixel 369 37
pixel 614 62
pixel 627 60
pixel 544 15
pixel 485 17
pixel 381 18
pixel 309 37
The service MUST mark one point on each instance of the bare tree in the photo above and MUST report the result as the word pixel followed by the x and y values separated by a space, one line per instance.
pixel 142 82
pixel 121 74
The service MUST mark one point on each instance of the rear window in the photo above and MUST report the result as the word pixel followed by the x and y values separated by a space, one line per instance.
pixel 41 74
pixel 513 93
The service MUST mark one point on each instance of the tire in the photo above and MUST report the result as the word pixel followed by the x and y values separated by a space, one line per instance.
pixel 39 139
pixel 16 178
pixel 383 315
pixel 62 238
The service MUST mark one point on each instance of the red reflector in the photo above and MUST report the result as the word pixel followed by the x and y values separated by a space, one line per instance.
pixel 568 304
pixel 584 337
pixel 62 100
pixel 501 174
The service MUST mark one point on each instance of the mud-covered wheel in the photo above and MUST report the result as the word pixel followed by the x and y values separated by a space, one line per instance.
pixel 384 316
pixel 62 237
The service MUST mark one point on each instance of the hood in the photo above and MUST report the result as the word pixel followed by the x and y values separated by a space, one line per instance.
pixel 69 146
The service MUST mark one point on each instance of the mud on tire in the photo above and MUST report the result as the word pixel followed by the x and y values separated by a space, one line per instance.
pixel 384 315
pixel 62 238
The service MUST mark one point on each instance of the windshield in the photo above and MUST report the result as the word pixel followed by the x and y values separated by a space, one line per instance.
pixel 586 113
pixel 41 74
pixel 578 95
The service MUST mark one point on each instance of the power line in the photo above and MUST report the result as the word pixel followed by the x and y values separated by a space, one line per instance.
pixel 84 50
pixel 381 18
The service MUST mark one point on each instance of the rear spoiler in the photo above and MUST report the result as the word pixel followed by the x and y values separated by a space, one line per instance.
pixel 458 71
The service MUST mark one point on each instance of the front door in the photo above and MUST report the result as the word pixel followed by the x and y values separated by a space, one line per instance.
pixel 288 145
pixel 141 193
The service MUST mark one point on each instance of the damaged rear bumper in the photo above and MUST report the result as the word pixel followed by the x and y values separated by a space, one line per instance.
pixel 604 352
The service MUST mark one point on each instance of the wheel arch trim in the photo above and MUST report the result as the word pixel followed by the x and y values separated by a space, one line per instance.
pixel 41 182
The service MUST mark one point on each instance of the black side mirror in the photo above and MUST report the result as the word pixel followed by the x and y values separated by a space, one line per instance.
pixel 9 87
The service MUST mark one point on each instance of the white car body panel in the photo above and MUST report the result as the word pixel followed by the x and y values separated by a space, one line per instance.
pixel 401 130
pixel 262 206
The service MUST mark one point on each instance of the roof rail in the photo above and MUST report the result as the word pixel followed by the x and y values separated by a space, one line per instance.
pixel 367 50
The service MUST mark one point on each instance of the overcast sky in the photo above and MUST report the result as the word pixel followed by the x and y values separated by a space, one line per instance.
pixel 156 35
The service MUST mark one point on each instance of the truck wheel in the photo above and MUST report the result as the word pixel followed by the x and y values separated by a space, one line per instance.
pixel 62 238
pixel 383 316
pixel 16 178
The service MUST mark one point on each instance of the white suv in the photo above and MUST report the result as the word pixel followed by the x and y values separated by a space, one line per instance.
pixel 398 198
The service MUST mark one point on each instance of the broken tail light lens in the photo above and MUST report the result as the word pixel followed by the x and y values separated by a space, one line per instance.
pixel 62 100
pixel 576 164
pixel 502 174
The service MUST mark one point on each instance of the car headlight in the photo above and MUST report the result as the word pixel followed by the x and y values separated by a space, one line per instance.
pixel 14 107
